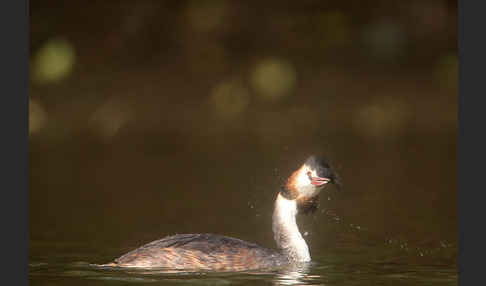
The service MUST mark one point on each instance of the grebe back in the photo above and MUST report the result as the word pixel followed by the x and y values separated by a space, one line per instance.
pixel 217 252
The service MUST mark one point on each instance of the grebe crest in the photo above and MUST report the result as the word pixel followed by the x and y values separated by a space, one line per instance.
pixel 217 252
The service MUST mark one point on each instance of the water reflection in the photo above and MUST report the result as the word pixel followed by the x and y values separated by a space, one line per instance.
pixel 295 275
pixel 314 273
pixel 291 275
pixel 298 274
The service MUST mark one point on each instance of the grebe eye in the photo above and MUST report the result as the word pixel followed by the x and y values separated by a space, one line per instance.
pixel 309 174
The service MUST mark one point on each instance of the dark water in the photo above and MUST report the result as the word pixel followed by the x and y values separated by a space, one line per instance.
pixel 393 223
pixel 318 273
pixel 352 265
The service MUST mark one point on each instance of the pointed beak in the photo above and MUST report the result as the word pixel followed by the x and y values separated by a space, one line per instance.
pixel 318 181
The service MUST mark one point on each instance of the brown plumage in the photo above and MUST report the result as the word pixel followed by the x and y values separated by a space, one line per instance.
pixel 203 252
pixel 307 205
pixel 290 190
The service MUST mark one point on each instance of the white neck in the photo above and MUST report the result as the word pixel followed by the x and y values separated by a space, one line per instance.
pixel 286 232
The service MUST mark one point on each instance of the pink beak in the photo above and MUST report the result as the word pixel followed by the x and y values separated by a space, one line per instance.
pixel 318 181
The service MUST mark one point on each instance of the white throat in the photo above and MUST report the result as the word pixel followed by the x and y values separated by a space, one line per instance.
pixel 286 232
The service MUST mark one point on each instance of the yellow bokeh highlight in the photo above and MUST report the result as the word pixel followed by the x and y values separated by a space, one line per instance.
pixel 229 99
pixel 273 79
pixel 37 117
pixel 53 62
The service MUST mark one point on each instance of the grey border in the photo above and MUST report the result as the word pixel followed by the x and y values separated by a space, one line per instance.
pixel 471 143
pixel 14 116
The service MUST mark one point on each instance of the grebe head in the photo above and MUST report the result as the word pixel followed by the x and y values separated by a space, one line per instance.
pixel 305 184
pixel 319 171
pixel 311 177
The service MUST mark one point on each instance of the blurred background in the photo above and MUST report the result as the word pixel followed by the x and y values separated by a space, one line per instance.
pixel 149 118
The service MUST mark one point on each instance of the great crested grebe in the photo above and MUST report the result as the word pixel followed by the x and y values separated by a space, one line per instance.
pixel 222 253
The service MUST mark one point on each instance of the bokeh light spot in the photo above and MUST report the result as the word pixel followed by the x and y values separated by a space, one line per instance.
pixel 53 62
pixel 229 98
pixel 273 79
pixel 37 117
pixel 109 118
pixel 384 118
